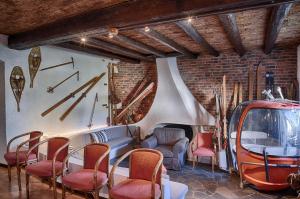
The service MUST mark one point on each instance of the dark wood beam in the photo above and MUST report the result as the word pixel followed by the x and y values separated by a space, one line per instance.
pixel 117 49
pixel 140 45
pixel 168 42
pixel 231 28
pixel 190 30
pixel 96 51
pixel 129 15
pixel 276 20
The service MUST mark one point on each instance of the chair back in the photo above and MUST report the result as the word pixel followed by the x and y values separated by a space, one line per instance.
pixel 168 136
pixel 143 162
pixel 205 139
pixel 92 152
pixel 35 134
pixel 53 145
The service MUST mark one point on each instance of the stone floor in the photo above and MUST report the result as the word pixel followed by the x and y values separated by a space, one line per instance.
pixel 202 185
pixel 206 185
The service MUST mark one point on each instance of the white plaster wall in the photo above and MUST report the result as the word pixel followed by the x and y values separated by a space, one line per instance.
pixel 36 100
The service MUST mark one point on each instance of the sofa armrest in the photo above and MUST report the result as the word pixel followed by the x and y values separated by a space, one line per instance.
pixel 150 142
pixel 180 146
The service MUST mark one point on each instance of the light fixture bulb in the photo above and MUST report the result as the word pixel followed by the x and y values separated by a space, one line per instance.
pixel 110 35
pixel 83 39
pixel 190 20
pixel 147 29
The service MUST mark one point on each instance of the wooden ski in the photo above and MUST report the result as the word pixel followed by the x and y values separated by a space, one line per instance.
pixel 141 96
pixel 260 83
pixel 72 94
pixel 34 62
pixel 224 107
pixel 240 92
pixel 218 120
pixel 250 83
pixel 235 94
pixel 17 83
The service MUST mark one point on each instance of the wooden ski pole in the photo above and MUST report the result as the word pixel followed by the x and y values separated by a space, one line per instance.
pixel 93 111
pixel 58 65
pixel 50 89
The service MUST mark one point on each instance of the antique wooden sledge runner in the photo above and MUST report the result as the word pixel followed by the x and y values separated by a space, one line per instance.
pixel 90 84
pixel 17 83
pixel 34 62
pixel 141 96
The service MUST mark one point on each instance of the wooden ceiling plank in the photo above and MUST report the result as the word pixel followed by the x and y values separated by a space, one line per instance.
pixel 190 30
pixel 276 20
pixel 231 28
pixel 94 51
pixel 140 45
pixel 168 42
pixel 117 49
pixel 129 15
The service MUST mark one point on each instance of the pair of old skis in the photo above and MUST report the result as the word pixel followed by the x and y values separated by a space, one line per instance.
pixel 259 81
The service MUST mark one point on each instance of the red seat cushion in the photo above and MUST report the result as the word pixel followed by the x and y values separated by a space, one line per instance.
pixel 44 168
pixel 11 157
pixel 203 151
pixel 134 189
pixel 84 179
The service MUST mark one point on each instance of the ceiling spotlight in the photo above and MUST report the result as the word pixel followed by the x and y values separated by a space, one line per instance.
pixel 113 32
pixel 83 39
pixel 190 20
pixel 147 29
pixel 110 35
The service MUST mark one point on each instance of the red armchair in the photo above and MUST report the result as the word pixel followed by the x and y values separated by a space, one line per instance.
pixel 144 182
pixel 204 148
pixel 18 158
pixel 52 167
pixel 94 174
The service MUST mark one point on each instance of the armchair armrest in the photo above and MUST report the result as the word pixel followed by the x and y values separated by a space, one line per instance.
pixel 55 156
pixel 14 138
pixel 180 146
pixel 67 158
pixel 150 142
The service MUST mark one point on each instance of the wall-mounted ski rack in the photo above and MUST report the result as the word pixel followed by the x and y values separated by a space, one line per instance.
pixel 50 89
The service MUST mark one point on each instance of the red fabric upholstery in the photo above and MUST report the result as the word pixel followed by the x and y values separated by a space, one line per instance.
pixel 34 134
pixel 53 145
pixel 84 180
pixel 205 140
pixel 143 164
pixel 92 153
pixel 11 157
pixel 134 189
pixel 44 168
pixel 202 151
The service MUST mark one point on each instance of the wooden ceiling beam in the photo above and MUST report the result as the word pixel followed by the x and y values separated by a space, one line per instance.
pixel 276 20
pixel 117 49
pixel 129 15
pixel 140 45
pixel 190 30
pixel 96 51
pixel 168 42
pixel 231 28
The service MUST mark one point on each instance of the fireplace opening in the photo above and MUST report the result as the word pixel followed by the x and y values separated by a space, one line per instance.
pixel 187 128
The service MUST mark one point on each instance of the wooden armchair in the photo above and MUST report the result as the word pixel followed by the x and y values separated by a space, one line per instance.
pixel 144 182
pixel 205 147
pixel 18 158
pixel 52 167
pixel 94 174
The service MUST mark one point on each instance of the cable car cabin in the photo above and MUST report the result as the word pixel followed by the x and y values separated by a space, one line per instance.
pixel 264 142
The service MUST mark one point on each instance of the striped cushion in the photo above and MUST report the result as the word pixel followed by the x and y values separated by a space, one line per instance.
pixel 99 136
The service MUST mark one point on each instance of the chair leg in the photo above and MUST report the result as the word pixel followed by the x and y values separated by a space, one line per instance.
pixel 19 177
pixel 9 172
pixel 63 191
pixel 213 164
pixel 54 187
pixel 193 162
pixel 97 191
pixel 27 186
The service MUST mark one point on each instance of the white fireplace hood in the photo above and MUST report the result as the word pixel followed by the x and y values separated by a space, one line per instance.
pixel 173 102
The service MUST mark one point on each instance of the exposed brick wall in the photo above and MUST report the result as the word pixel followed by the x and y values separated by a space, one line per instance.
pixel 204 74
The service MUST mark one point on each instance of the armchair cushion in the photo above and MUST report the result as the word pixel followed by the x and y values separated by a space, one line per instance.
pixel 11 157
pixel 44 168
pixel 181 145
pixel 134 189
pixel 203 151
pixel 168 136
pixel 165 150
pixel 84 179
pixel 150 142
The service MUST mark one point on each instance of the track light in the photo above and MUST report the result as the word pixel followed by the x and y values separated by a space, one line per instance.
pixel 147 29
